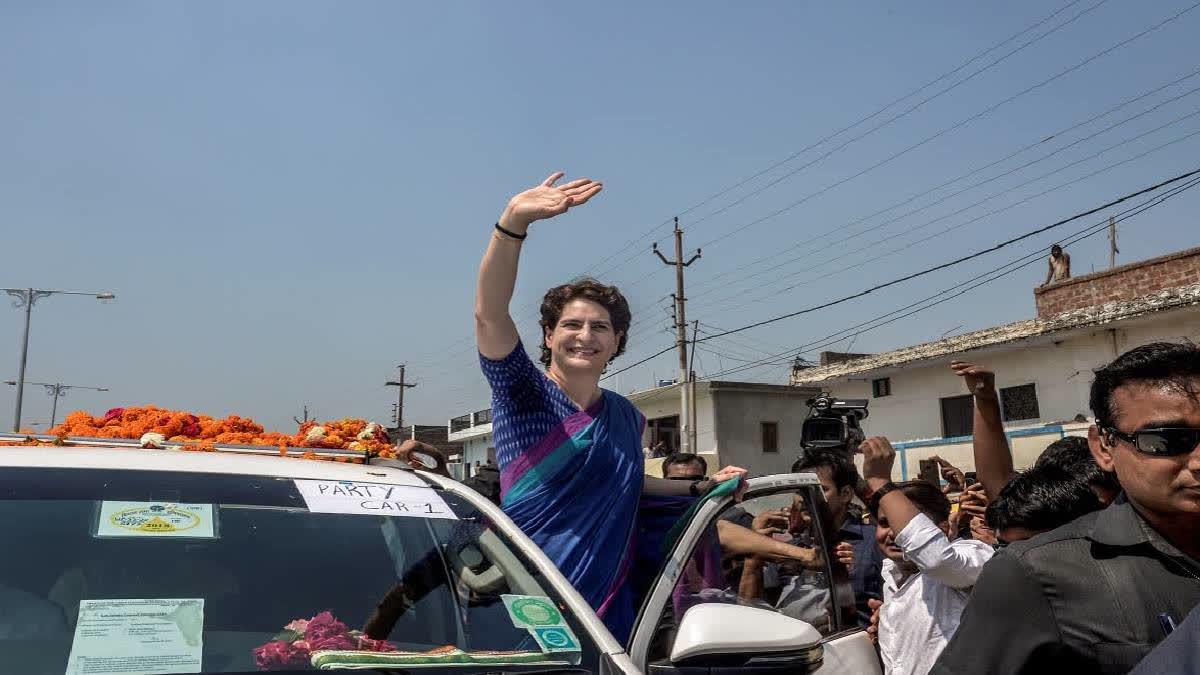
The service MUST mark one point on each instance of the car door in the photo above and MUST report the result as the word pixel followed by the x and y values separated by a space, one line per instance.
pixel 753 588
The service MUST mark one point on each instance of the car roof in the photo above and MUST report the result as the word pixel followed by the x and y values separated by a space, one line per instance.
pixel 137 459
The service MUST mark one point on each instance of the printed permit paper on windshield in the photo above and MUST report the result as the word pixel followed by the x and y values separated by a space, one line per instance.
pixel 156 519
pixel 373 499
pixel 137 637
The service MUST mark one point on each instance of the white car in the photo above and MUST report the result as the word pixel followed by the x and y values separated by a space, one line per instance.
pixel 122 560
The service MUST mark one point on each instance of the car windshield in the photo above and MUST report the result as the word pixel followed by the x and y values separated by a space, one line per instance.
pixel 109 571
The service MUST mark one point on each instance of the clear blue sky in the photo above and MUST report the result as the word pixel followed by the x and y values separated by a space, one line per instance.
pixel 290 198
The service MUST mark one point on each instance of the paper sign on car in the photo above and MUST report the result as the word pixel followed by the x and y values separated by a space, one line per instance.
pixel 373 499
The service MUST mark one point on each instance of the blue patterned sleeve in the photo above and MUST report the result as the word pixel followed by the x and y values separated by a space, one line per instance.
pixel 514 380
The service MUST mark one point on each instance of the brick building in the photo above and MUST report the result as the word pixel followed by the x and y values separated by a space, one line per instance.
pixel 1043 365
pixel 1120 283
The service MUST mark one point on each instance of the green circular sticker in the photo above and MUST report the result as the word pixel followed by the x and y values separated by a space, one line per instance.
pixel 556 637
pixel 536 612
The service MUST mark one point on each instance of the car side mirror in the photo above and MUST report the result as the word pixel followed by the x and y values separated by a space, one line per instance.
pixel 723 635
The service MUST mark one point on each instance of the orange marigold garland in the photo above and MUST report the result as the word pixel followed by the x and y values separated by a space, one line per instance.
pixel 202 432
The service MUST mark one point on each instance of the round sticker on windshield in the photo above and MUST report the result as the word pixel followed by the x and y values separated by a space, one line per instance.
pixel 536 612
pixel 154 518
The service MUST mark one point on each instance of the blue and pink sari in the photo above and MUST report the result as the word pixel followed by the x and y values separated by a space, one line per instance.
pixel 571 479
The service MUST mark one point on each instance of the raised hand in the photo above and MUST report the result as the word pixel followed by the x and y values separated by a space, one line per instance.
pixel 878 458
pixel 955 478
pixel 973 500
pixel 546 201
pixel 979 380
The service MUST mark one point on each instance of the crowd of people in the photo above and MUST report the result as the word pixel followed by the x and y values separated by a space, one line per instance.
pixel 1083 562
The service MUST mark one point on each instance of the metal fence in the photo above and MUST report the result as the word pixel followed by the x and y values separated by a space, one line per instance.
pixel 459 423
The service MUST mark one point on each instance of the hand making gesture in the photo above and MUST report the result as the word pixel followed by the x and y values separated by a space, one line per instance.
pixel 546 201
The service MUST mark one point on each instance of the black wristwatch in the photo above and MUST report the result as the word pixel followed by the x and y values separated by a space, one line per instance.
pixel 878 494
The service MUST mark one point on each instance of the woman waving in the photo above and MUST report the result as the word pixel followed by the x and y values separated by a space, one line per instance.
pixel 570 453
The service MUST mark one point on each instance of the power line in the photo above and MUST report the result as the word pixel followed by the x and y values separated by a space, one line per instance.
pixel 743 302
pixel 1021 262
pixel 911 198
pixel 905 113
pixel 875 114
pixel 965 258
pixel 982 113
pixel 867 118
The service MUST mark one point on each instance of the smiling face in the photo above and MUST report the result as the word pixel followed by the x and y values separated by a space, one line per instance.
pixel 1163 487
pixel 583 340
pixel 886 539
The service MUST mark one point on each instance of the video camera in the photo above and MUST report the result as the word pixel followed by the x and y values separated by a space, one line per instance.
pixel 833 423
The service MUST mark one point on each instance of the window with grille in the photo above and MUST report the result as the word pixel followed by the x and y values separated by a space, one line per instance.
pixel 881 387
pixel 1019 403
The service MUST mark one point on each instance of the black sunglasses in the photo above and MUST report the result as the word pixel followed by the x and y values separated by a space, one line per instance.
pixel 1160 442
pixel 685 478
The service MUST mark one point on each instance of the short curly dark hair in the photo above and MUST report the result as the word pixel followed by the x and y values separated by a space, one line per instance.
pixel 586 288
pixel 1176 364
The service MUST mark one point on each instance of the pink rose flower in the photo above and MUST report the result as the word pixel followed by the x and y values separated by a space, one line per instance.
pixel 324 626
pixel 332 642
pixel 297 626
pixel 278 655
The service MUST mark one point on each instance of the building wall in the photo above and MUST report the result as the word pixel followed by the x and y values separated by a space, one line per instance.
pixel 739 432
pixel 666 404
pixel 1026 445
pixel 1060 371
pixel 1125 282
pixel 728 423
pixel 475 449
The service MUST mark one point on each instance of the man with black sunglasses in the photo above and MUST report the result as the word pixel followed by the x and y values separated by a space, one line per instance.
pixel 1097 594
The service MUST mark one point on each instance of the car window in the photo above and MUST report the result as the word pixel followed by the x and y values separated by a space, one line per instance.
pixel 259 562
pixel 765 552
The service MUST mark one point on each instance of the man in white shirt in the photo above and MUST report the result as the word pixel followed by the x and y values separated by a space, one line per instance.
pixel 926 577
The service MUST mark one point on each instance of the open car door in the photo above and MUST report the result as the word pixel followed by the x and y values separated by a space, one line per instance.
pixel 753 587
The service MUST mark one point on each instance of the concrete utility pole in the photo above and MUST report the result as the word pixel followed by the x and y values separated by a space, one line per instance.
pixel 400 398
pixel 685 425
pixel 302 421
pixel 1112 242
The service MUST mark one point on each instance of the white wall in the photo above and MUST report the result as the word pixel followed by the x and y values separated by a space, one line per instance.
pixel 728 423
pixel 475 449
pixel 739 431
pixel 1060 371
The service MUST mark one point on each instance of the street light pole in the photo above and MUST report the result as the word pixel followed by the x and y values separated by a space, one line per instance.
pixel 28 300
pixel 26 297
pixel 56 390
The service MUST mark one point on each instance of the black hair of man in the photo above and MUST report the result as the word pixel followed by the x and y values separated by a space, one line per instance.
pixel 1042 498
pixel 927 498
pixel 1072 455
pixel 1056 250
pixel 841 469
pixel 1174 363
pixel 684 458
